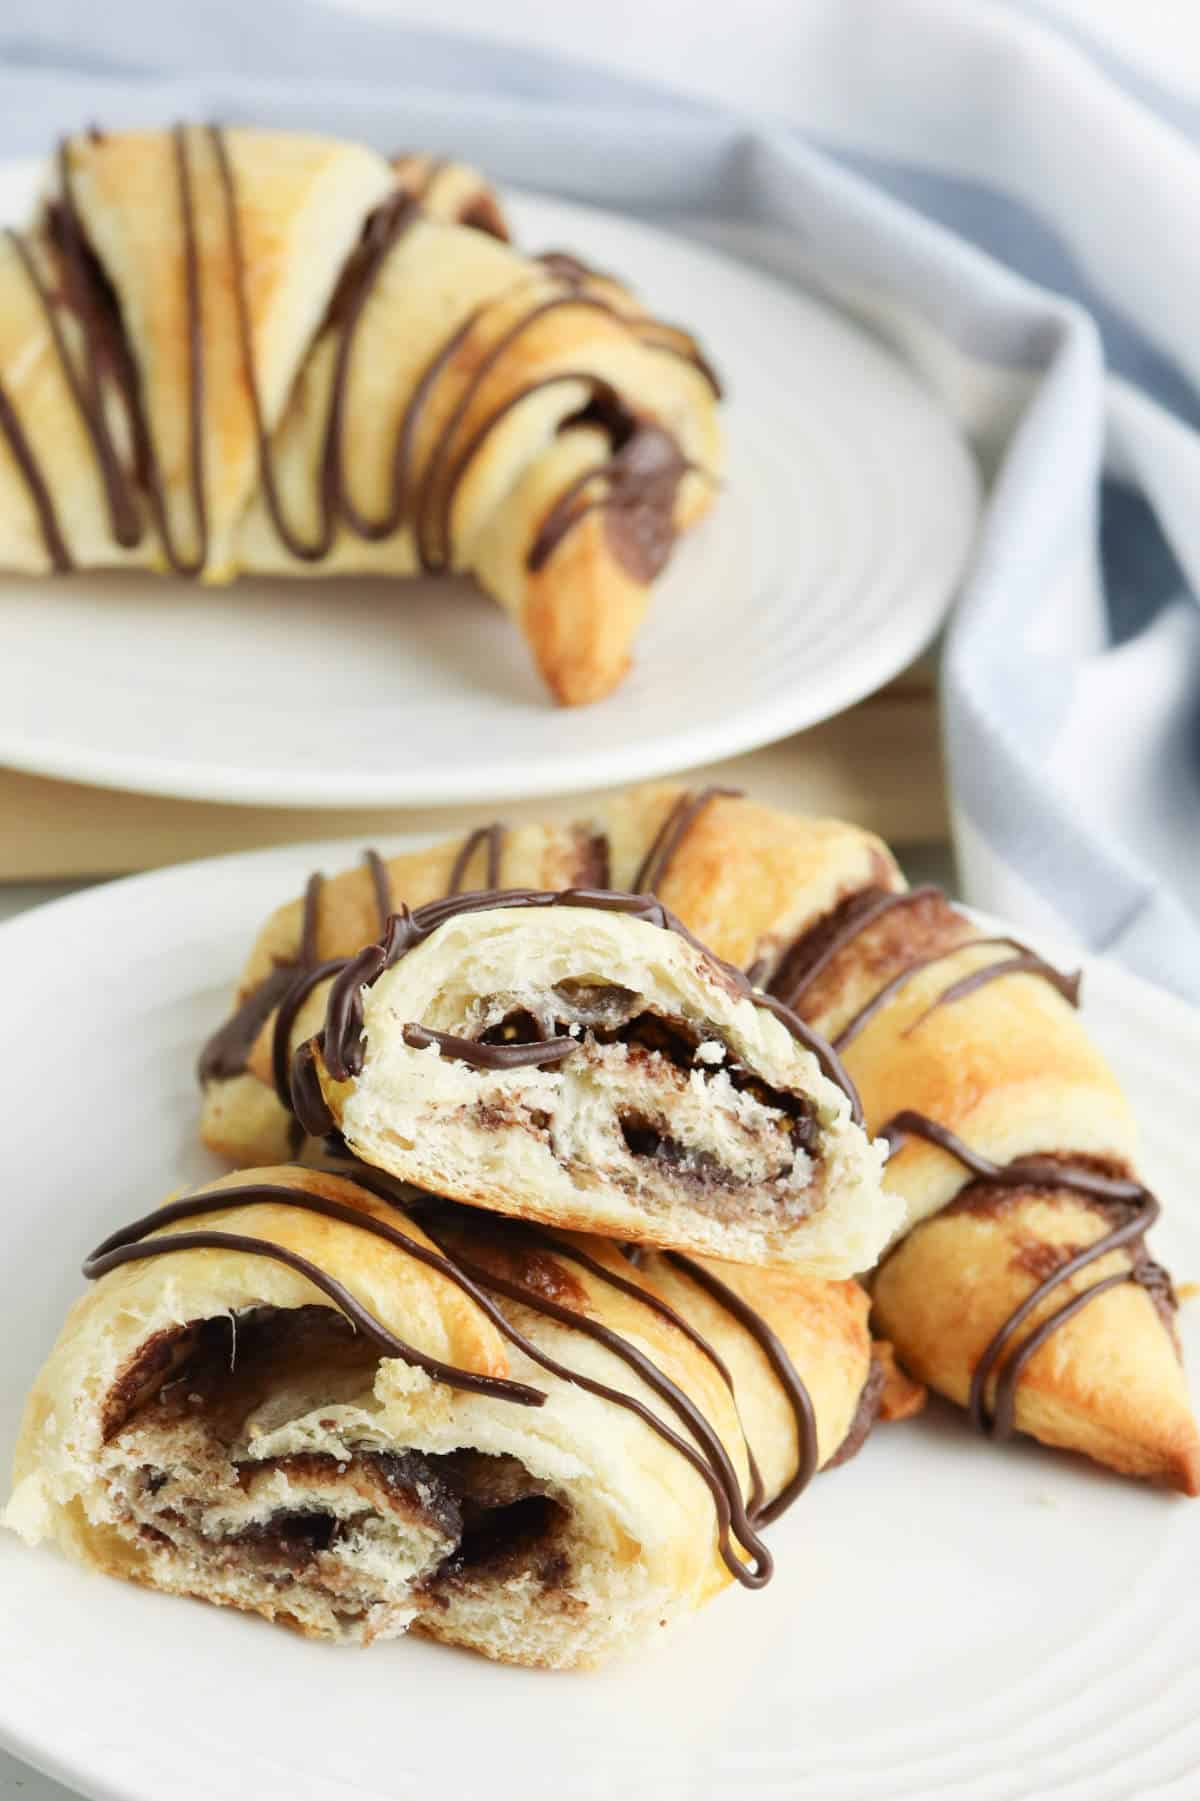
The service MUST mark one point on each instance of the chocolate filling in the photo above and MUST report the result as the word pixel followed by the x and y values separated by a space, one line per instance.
pixel 595 1019
pixel 495 1520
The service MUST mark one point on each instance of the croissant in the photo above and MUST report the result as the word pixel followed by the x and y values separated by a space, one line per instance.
pixel 1002 1065
pixel 357 1412
pixel 234 350
pixel 580 1059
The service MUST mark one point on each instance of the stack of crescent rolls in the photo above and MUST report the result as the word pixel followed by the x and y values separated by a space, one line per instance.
pixel 533 1300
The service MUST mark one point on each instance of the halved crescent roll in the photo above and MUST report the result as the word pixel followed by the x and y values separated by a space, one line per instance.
pixel 243 1116
pixel 1019 1153
pixel 293 1396
pixel 578 1058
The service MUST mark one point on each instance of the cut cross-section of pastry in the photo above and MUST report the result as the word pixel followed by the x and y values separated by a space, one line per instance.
pixel 227 350
pixel 300 1396
pixel 281 994
pixel 579 1058
pixel 1023 1289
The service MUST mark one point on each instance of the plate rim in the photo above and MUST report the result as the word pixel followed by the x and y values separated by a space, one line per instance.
pixel 536 775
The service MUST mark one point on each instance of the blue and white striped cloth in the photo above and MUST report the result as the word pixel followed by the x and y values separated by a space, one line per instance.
pixel 1010 206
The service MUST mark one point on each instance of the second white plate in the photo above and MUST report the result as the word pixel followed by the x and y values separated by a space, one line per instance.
pixel 826 566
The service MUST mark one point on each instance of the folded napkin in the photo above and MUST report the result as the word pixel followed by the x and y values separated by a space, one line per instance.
pixel 1012 209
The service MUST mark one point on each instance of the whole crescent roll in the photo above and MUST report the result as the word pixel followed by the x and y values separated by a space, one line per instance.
pixel 294 1396
pixel 236 350
pixel 578 1058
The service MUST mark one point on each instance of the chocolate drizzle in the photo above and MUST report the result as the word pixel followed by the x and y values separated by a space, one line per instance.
pixel 1024 961
pixel 1141 1211
pixel 655 334
pixel 132 1244
pixel 310 919
pixel 785 1373
pixel 493 837
pixel 638 485
pixel 228 1050
pixel 343 1048
pixel 816 948
pixel 86 292
pixel 737 1518
pixel 813 952
pixel 641 477
pixel 381 882
pixel 537 1053
pixel 668 840
pixel 286 988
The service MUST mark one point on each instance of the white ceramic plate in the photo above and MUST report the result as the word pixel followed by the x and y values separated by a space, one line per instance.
pixel 826 567
pixel 950 1621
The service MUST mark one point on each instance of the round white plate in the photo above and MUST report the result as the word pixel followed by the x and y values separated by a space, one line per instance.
pixel 950 1621
pixel 826 566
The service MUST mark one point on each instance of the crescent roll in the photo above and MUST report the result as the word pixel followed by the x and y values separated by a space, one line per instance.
pixel 1014 1147
pixel 237 350
pixel 298 1396
pixel 579 1058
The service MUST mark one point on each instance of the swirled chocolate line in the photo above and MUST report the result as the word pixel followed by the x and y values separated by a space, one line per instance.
pixel 227 1052
pixel 668 840
pixel 1034 1172
pixel 492 836
pixel 655 334
pixel 1024 961
pixel 342 1047
pixel 799 967
pixel 84 291
pixel 736 1516
pixel 293 997
pixel 284 991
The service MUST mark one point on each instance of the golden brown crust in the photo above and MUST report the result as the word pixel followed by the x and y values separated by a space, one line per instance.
pixel 746 879
pixel 1107 1383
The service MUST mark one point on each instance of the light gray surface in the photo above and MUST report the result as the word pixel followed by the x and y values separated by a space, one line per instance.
pixel 929 863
